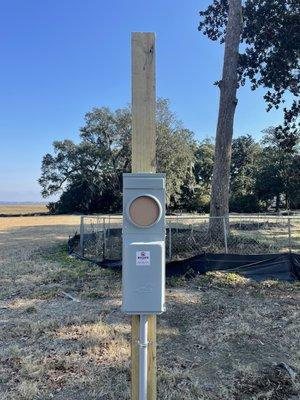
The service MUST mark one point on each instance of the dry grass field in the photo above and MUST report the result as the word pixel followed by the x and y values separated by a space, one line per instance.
pixel 26 208
pixel 222 338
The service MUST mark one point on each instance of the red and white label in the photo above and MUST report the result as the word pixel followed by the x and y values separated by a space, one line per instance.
pixel 143 258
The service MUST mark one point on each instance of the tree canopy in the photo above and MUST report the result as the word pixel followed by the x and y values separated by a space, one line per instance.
pixel 88 175
pixel 279 173
pixel 270 48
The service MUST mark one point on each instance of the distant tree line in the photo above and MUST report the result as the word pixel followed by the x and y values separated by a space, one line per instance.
pixel 88 175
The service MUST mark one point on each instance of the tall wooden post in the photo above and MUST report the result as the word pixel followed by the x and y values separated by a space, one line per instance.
pixel 143 160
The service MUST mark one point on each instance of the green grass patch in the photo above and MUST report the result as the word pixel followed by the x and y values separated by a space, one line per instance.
pixel 221 279
pixel 60 255
pixel 75 274
pixel 44 293
pixel 176 281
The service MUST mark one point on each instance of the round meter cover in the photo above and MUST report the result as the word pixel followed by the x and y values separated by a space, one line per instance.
pixel 144 211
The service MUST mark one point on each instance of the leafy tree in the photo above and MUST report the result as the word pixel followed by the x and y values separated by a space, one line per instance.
pixel 244 164
pixel 270 59
pixel 295 183
pixel 203 168
pixel 270 38
pixel 175 153
pixel 198 197
pixel 90 170
pixel 244 167
pixel 269 182
pixel 279 167
pixel 89 174
pixel 204 162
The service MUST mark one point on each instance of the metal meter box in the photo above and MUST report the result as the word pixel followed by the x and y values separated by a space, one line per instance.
pixel 143 272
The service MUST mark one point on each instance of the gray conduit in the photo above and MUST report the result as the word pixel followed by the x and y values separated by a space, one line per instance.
pixel 143 350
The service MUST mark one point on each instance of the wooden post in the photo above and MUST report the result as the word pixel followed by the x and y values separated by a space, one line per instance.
pixel 135 323
pixel 143 102
pixel 143 160
pixel 152 358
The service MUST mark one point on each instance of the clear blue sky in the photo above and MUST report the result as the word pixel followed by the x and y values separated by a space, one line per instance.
pixel 60 58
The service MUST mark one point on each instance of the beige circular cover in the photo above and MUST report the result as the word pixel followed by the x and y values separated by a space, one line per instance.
pixel 144 211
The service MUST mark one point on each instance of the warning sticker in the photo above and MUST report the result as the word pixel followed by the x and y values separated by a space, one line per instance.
pixel 143 258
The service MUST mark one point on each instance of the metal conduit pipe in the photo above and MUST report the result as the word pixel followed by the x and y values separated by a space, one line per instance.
pixel 143 356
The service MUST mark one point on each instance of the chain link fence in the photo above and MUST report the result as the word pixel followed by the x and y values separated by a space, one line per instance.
pixel 186 236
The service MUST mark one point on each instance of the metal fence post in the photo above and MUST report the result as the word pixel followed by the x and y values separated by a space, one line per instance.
pixel 225 234
pixel 98 237
pixel 81 242
pixel 170 243
pixel 290 236
pixel 104 239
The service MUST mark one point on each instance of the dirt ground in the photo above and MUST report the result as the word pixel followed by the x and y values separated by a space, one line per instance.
pixel 222 337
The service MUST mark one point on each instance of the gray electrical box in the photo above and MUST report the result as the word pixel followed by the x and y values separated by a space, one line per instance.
pixel 143 271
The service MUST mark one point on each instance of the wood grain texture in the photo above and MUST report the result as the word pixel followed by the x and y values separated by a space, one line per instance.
pixel 143 102
pixel 135 323
pixel 152 379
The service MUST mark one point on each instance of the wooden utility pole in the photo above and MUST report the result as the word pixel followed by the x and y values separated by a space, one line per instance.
pixel 143 160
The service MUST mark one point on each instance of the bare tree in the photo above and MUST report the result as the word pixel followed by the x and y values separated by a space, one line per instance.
pixel 228 101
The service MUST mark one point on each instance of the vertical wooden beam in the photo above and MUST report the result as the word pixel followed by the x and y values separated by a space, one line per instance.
pixel 135 324
pixel 143 102
pixel 143 160
pixel 151 389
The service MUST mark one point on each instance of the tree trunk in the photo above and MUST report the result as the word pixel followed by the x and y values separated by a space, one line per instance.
pixel 228 87
pixel 287 201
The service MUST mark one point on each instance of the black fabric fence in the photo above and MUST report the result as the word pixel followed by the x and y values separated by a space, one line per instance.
pixel 284 267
